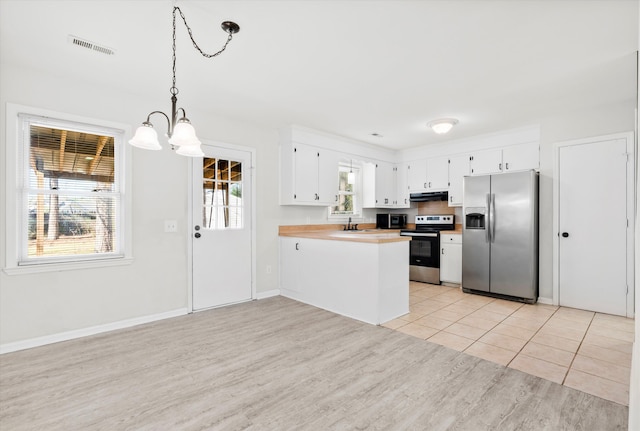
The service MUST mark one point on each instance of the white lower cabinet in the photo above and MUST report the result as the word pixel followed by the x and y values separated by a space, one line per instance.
pixel 364 281
pixel 451 258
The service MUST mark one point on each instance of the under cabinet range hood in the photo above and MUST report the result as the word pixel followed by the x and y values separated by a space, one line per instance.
pixel 429 196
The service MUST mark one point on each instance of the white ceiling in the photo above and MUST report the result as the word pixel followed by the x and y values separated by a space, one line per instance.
pixel 350 68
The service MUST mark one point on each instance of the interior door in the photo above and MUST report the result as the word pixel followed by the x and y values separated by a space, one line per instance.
pixel 222 255
pixel 592 222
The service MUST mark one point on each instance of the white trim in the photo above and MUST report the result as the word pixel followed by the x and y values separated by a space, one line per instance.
pixel 631 193
pixel 85 332
pixel 67 266
pixel 252 168
pixel 267 294
pixel 543 300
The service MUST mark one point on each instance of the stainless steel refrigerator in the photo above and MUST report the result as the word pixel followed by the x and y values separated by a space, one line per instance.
pixel 500 235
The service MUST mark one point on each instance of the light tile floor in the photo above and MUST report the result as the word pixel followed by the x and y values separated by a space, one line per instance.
pixel 587 351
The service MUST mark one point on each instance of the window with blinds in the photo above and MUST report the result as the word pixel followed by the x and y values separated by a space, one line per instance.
pixel 70 193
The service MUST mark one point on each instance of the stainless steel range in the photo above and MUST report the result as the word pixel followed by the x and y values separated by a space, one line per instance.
pixel 424 248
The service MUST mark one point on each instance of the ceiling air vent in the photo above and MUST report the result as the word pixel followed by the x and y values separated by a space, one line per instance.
pixel 83 43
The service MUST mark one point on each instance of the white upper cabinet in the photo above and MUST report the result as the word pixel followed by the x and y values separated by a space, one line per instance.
pixel 518 157
pixel 437 174
pixel 309 175
pixel 309 168
pixel 402 186
pixel 458 169
pixel 521 157
pixel 417 175
pixel 486 162
pixel 385 185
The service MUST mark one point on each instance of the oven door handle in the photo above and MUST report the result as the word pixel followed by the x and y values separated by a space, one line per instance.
pixel 418 234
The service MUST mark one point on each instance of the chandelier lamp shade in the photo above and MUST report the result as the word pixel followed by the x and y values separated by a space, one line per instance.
pixel 181 134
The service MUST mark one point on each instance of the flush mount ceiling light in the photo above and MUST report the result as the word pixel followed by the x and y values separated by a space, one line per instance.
pixel 180 131
pixel 442 125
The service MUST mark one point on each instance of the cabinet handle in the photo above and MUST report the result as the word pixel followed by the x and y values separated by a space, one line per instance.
pixel 506 166
pixel 499 166
pixel 443 251
pixel 429 184
pixel 297 244
pixel 425 185
pixel 336 198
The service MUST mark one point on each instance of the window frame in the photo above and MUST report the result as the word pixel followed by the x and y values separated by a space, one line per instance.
pixel 358 210
pixel 18 118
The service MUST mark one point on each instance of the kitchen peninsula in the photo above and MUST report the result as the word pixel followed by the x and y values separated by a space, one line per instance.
pixel 359 274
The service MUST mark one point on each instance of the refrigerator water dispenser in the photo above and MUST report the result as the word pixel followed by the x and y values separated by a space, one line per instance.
pixel 475 218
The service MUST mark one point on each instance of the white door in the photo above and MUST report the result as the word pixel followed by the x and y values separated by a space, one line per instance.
pixel 221 229
pixel 592 226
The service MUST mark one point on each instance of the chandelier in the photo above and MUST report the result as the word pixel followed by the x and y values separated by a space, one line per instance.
pixel 180 132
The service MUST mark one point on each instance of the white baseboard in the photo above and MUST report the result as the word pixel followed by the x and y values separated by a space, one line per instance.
pixel 268 294
pixel 78 333
pixel 543 300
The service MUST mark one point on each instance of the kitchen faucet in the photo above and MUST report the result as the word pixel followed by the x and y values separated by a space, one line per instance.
pixel 348 226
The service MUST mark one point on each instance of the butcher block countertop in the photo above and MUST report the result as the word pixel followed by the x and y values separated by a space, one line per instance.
pixel 457 231
pixel 366 233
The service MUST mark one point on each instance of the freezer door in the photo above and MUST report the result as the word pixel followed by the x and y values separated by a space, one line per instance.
pixel 475 239
pixel 514 234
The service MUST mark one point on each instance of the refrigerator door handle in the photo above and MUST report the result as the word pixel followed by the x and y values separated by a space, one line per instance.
pixel 492 218
pixel 487 230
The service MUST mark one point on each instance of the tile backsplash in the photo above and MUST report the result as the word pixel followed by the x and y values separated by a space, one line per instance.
pixel 439 207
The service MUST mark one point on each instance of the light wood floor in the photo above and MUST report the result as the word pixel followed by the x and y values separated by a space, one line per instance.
pixel 276 364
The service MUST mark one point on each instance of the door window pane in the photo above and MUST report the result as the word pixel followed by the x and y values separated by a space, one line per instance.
pixel 222 194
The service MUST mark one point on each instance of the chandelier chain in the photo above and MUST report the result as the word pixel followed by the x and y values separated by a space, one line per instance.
pixel 174 90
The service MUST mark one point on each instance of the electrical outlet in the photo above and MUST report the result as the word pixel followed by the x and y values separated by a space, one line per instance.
pixel 268 269
pixel 171 226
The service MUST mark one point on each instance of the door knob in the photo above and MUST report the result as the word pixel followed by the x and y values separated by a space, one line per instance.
pixel 565 234
pixel 197 235
pixel 197 227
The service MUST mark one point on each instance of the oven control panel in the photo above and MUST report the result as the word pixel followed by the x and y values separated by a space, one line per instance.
pixel 435 219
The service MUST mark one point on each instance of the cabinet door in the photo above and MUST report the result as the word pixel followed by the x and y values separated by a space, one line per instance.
pixel 385 185
pixel 290 257
pixel 451 259
pixel 306 162
pixel 417 175
pixel 458 169
pixel 402 186
pixel 437 174
pixel 521 157
pixel 486 162
pixel 327 177
pixel 368 185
